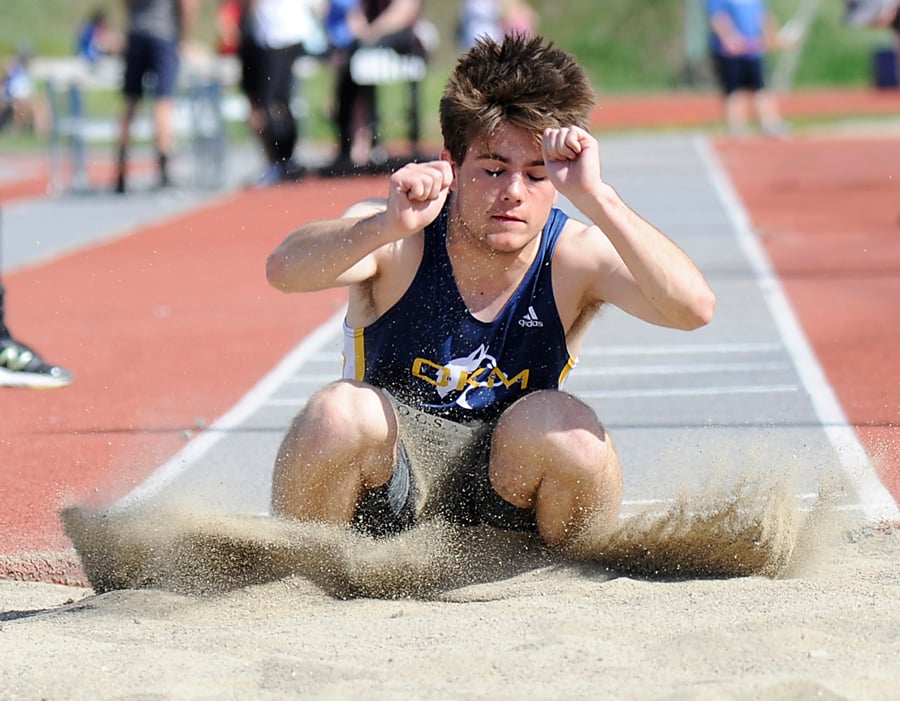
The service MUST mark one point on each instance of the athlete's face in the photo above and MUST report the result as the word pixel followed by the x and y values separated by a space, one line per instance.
pixel 502 195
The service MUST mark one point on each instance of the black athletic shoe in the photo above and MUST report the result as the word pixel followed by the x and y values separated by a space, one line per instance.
pixel 21 366
pixel 292 172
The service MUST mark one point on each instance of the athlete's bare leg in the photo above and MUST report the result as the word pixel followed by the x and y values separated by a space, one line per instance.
pixel 344 441
pixel 549 452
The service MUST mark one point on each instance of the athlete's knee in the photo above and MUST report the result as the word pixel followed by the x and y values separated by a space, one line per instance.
pixel 550 415
pixel 344 438
pixel 349 411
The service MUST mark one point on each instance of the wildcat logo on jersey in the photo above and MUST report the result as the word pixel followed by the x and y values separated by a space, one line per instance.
pixel 478 369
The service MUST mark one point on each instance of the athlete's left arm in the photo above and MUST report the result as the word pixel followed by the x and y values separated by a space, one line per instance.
pixel 640 269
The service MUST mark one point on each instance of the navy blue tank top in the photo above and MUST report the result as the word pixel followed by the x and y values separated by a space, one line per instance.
pixel 429 352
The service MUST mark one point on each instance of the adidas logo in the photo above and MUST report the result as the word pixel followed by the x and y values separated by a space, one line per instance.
pixel 530 320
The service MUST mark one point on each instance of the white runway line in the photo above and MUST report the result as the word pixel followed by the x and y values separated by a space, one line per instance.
pixel 681 369
pixel 248 405
pixel 875 498
pixel 686 391
pixel 682 348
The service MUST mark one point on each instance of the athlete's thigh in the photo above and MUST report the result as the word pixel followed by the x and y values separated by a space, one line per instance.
pixel 349 411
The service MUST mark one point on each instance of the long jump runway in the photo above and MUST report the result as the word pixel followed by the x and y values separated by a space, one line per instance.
pixel 193 396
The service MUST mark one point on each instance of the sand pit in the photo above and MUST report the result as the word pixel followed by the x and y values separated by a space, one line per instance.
pixel 180 547
pixel 744 598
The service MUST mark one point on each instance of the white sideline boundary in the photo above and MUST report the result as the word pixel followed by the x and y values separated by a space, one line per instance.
pixel 874 498
pixel 249 403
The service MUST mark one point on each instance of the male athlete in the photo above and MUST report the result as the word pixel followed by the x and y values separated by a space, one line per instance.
pixel 469 298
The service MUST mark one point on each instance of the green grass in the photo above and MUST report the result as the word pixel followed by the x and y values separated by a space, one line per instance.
pixel 836 54
pixel 625 45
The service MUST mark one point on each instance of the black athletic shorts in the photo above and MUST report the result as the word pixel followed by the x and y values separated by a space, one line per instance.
pixel 441 472
pixel 150 57
pixel 739 73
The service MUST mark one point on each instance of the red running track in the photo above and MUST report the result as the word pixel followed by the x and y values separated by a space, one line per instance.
pixel 828 214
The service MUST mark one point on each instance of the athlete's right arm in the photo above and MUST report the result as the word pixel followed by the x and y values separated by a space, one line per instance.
pixel 322 254
pixel 341 252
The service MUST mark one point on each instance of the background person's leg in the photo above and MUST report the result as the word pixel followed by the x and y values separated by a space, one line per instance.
pixel 165 64
pixel 128 113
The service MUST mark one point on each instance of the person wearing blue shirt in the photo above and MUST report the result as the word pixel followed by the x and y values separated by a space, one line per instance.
pixel 339 25
pixel 741 33
pixel 95 38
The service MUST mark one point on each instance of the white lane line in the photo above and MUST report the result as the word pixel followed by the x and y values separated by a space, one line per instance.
pixel 249 404
pixel 855 462
pixel 680 369
pixel 687 348
pixel 686 391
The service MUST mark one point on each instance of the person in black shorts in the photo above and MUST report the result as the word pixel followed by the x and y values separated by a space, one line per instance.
pixel 741 32
pixel 883 15
pixel 156 31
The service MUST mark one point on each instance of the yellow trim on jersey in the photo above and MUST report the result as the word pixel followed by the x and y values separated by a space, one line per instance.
pixel 353 353
pixel 565 371
pixel 359 349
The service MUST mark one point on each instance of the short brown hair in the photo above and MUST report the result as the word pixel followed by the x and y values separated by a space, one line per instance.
pixel 523 80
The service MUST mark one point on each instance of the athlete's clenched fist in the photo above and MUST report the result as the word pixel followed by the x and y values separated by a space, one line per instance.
pixel 572 157
pixel 417 194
